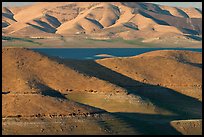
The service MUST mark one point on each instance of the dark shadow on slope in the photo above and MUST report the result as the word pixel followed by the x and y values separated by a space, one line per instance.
pixel 5 24
pixel 182 13
pixel 180 58
pixel 190 31
pixel 53 93
pixel 5 92
pixel 47 91
pixel 197 23
pixel 54 21
pixel 160 96
pixel 150 7
pixel 194 37
pixel 200 11
pixel 165 12
pixel 160 22
pixel 116 10
pixel 10 16
pixel 190 63
pixel 46 26
pixel 155 8
pixel 195 64
pixel 148 124
pixel 178 22
pixel 130 25
pixel 95 22
pixel 143 5
pixel 41 28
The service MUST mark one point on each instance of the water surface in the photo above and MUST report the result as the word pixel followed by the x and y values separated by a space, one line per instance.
pixel 98 53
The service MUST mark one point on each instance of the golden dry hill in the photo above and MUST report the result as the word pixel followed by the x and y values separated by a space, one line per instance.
pixel 143 94
pixel 102 20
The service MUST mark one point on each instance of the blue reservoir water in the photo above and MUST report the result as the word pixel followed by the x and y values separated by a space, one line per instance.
pixel 92 53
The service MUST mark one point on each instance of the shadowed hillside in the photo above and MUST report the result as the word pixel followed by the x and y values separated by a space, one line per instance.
pixel 142 94
pixel 101 20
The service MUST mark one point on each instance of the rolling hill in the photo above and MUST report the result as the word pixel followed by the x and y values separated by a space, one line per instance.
pixel 140 94
pixel 102 20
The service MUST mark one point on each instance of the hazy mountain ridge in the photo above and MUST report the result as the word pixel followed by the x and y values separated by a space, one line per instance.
pixel 102 20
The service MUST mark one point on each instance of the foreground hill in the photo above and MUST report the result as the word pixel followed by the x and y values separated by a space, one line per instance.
pixel 29 71
pixel 178 70
pixel 102 20
pixel 143 94
pixel 169 79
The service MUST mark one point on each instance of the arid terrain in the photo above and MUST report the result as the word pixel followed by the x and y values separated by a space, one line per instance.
pixel 154 93
pixel 158 92
pixel 99 24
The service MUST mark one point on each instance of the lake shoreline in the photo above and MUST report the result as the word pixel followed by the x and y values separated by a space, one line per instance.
pixel 96 53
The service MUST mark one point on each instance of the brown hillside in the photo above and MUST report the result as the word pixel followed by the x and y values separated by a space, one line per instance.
pixel 95 19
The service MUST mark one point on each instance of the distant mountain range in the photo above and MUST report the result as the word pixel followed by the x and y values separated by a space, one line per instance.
pixel 102 20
